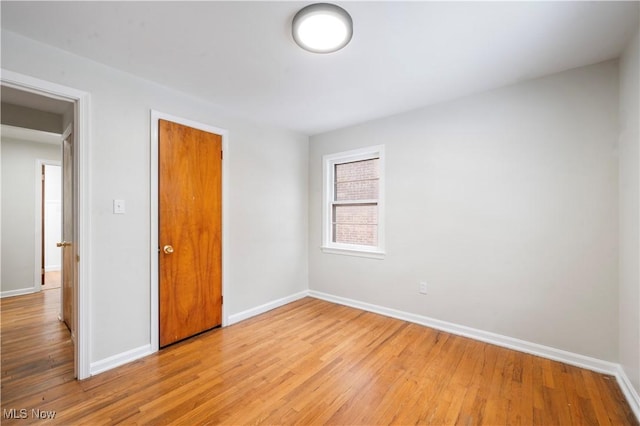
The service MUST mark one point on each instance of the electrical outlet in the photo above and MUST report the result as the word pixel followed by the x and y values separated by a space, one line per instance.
pixel 423 287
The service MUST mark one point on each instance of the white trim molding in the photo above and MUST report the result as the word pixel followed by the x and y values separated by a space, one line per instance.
pixel 120 359
pixel 578 360
pixel 329 162
pixel 628 391
pixel 154 245
pixel 560 355
pixel 82 169
pixel 241 316
pixel 17 292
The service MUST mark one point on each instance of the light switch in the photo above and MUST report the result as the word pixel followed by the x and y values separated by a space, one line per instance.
pixel 118 206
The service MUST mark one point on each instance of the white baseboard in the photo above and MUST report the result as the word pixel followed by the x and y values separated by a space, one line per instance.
pixel 18 292
pixel 578 360
pixel 560 355
pixel 119 359
pixel 137 353
pixel 555 354
pixel 266 307
pixel 52 268
pixel 629 391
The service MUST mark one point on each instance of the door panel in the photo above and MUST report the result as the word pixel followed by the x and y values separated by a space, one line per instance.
pixel 68 249
pixel 190 234
pixel 42 225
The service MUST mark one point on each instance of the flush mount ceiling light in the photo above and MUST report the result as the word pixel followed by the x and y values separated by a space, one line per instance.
pixel 322 28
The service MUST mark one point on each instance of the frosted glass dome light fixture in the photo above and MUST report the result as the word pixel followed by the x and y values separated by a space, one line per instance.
pixel 322 28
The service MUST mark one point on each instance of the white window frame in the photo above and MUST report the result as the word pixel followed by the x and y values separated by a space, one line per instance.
pixel 329 161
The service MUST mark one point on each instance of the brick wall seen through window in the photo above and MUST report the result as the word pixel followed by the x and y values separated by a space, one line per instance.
pixel 355 204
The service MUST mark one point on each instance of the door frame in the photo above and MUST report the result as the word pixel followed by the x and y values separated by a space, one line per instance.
pixel 154 245
pixel 39 218
pixel 82 208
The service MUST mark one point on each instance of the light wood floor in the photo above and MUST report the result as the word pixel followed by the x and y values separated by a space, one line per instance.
pixel 52 279
pixel 309 362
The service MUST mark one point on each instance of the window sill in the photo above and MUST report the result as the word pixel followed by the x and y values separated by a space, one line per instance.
pixel 371 254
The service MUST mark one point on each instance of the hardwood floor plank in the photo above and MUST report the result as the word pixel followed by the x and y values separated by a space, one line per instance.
pixel 309 362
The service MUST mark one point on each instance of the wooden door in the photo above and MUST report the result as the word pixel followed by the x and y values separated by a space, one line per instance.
pixel 190 234
pixel 67 244
pixel 42 226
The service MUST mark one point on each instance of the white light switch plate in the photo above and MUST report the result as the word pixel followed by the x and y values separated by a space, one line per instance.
pixel 118 206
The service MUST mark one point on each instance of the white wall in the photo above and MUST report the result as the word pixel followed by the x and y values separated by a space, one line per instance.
pixel 630 212
pixel 52 217
pixel 268 194
pixel 18 211
pixel 504 202
pixel 29 118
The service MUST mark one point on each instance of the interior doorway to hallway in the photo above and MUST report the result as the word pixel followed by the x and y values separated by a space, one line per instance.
pixel 51 224
pixel 49 100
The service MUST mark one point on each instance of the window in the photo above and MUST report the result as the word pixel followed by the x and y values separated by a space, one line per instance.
pixel 353 202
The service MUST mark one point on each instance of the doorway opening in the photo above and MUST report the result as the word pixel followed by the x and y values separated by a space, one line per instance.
pixel 52 105
pixel 50 218
pixel 51 225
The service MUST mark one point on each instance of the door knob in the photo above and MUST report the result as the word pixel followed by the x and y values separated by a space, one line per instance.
pixel 63 244
pixel 168 249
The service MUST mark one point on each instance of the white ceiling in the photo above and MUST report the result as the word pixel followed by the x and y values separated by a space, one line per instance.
pixel 403 55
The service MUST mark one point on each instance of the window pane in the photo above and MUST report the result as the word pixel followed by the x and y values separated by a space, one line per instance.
pixel 357 170
pixel 365 235
pixel 355 224
pixel 357 190
pixel 356 214
pixel 357 180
